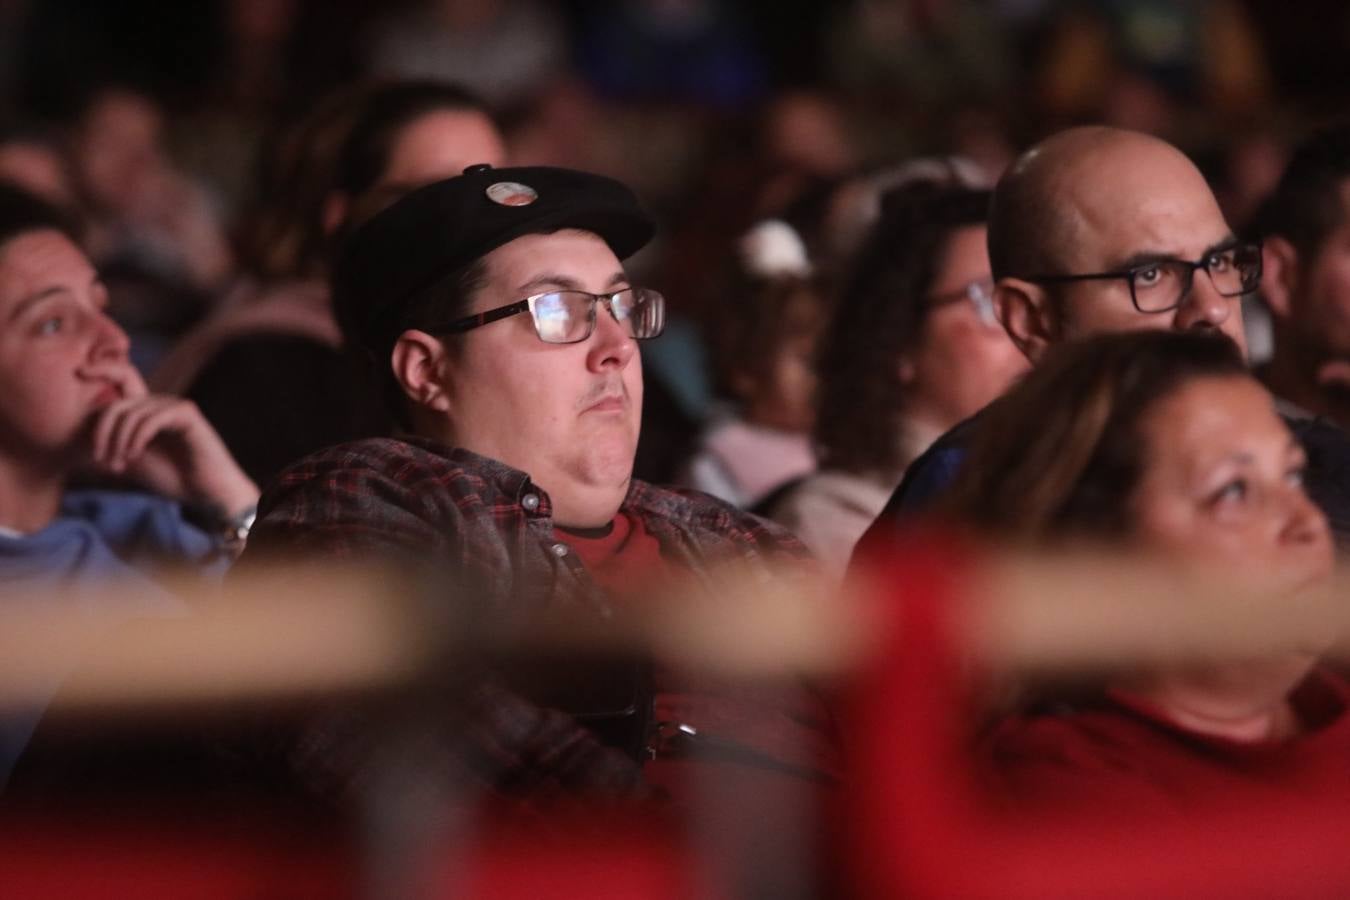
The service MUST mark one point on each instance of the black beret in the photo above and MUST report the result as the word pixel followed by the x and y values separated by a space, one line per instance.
pixel 447 225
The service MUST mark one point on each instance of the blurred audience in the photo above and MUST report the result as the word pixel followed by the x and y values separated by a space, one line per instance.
pixel 672 51
pixel 222 182
pixel 915 348
pixel 1140 64
pixel 268 370
pixel 763 346
pixel 35 162
pixel 1305 228
pixel 142 207
pixel 1161 442
pixel 922 52
pixel 153 230
pixel 503 50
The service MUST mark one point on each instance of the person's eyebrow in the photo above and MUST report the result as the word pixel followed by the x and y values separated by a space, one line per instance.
pixel 1227 243
pixel 34 299
pixel 1148 257
pixel 565 283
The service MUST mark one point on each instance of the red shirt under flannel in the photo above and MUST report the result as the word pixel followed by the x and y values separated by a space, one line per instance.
pixel 490 526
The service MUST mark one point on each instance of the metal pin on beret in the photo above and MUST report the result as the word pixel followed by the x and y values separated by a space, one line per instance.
pixel 442 227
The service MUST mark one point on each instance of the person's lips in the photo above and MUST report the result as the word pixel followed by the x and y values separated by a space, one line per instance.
pixel 107 393
pixel 605 397
pixel 608 403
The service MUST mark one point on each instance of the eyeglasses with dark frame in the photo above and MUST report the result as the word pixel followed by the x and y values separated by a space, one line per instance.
pixel 568 317
pixel 978 293
pixel 1162 285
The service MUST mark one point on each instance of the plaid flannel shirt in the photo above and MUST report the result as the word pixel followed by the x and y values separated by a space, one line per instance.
pixel 492 527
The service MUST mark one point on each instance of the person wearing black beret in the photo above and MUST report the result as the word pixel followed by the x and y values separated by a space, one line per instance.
pixel 496 311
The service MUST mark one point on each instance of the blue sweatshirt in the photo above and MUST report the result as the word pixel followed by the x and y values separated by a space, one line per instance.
pixel 98 537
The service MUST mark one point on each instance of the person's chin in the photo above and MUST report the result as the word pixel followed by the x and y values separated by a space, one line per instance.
pixel 607 463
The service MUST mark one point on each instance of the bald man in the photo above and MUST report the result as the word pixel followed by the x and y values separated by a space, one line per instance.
pixel 1097 230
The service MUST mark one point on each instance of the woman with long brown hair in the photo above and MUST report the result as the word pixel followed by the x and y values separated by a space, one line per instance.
pixel 1161 442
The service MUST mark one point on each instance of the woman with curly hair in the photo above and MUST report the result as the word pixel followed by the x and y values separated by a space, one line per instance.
pixel 913 349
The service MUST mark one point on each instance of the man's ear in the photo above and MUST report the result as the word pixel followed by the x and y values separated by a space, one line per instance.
pixel 1279 275
pixel 336 205
pixel 420 364
pixel 1028 315
pixel 906 370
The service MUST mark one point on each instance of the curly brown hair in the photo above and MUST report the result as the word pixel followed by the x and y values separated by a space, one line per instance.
pixel 880 316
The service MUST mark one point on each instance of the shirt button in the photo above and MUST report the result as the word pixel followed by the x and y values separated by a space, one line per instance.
pixel 559 549
pixel 530 502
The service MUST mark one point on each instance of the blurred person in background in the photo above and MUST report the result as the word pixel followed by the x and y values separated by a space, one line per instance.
pixel 1247 167
pixel 914 348
pixel 505 51
pixel 1305 230
pixel 252 52
pixel 763 347
pixel 838 217
pixel 1146 64
pixel 268 371
pixel 923 53
pixel 1164 444
pixel 1099 230
pixel 780 164
pixel 154 231
pixel 71 404
pixel 802 138
pixel 142 206
pixel 32 160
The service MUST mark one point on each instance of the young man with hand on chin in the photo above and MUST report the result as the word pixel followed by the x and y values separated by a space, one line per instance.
pixel 71 403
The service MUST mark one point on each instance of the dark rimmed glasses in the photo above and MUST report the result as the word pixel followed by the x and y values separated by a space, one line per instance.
pixel 568 317
pixel 1161 285
pixel 979 294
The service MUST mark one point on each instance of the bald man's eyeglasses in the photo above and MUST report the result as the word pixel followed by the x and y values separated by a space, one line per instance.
pixel 568 317
pixel 1162 285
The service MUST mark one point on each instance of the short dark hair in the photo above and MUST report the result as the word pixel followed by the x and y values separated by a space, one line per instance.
pixel 1059 455
pixel 881 315
pixel 1307 203
pixel 22 212
pixel 449 298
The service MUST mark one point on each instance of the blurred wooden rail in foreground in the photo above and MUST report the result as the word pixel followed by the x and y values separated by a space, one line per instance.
pixel 308 630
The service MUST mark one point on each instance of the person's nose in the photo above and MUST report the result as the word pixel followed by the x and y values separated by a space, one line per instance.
pixel 611 346
pixel 110 342
pixel 1204 306
pixel 1301 521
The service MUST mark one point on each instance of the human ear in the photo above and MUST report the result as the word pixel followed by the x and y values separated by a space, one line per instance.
pixel 334 211
pixel 420 365
pixel 1028 315
pixel 907 371
pixel 1279 275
